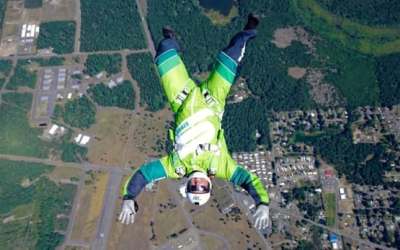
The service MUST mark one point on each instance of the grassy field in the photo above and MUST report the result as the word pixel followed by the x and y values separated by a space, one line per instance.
pixel 366 39
pixel 16 135
pixel 330 208
pixel 91 200
pixel 149 133
pixel 220 19
pixel 111 130
pixel 23 77
pixel 61 174
pixel 30 206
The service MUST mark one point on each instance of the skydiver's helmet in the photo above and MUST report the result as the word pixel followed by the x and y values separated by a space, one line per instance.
pixel 198 188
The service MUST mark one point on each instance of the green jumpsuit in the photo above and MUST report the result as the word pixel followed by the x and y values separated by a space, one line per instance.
pixel 198 136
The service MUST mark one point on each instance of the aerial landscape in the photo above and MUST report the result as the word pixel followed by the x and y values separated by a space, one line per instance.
pixel 314 113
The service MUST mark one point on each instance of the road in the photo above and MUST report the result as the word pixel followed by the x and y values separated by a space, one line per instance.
pixel 150 43
pixel 107 52
pixel 75 207
pixel 107 214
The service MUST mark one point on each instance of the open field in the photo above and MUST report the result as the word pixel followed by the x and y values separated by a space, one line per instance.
pixel 330 208
pixel 239 234
pixel 220 19
pixel 148 136
pixel 65 174
pixel 59 10
pixel 211 243
pixel 168 219
pixel 366 39
pixel 111 132
pixel 16 135
pixel 90 206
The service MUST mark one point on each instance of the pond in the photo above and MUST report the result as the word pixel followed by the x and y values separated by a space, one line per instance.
pixel 222 6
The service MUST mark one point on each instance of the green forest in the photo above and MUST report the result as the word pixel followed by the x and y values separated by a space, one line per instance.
pixel 59 35
pixel 110 26
pixel 96 63
pixel 360 163
pixel 79 113
pixel 366 11
pixel 388 73
pixel 3 6
pixel 35 202
pixel 240 123
pixel 142 69
pixel 31 4
pixel 5 69
pixel 122 95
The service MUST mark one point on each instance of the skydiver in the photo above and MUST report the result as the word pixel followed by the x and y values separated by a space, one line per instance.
pixel 200 152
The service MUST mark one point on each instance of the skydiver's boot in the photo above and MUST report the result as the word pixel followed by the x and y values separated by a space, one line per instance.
pixel 237 45
pixel 169 42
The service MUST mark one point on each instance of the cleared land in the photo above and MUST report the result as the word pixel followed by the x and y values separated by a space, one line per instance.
pixel 233 227
pixel 59 10
pixel 148 136
pixel 16 135
pixel 90 205
pixel 111 132
pixel 366 39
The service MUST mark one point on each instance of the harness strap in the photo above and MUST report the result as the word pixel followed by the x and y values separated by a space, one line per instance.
pixel 207 147
pixel 209 99
pixel 182 95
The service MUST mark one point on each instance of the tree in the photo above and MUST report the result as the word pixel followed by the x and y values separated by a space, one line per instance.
pixel 79 113
pixel 122 95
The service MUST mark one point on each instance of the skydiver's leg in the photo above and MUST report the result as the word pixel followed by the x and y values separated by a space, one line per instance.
pixel 174 77
pixel 223 75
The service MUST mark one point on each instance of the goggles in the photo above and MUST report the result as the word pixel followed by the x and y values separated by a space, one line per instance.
pixel 198 186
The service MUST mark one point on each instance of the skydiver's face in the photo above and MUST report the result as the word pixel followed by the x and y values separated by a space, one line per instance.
pixel 198 186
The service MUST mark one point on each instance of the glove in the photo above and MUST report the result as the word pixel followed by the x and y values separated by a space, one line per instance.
pixel 261 217
pixel 128 211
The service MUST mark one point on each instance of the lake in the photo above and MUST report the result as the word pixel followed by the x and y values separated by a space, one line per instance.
pixel 222 6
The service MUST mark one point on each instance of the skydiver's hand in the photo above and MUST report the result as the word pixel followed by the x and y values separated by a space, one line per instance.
pixel 261 217
pixel 128 212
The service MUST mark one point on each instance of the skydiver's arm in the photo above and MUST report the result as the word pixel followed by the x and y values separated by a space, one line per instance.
pixel 251 183
pixel 149 172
